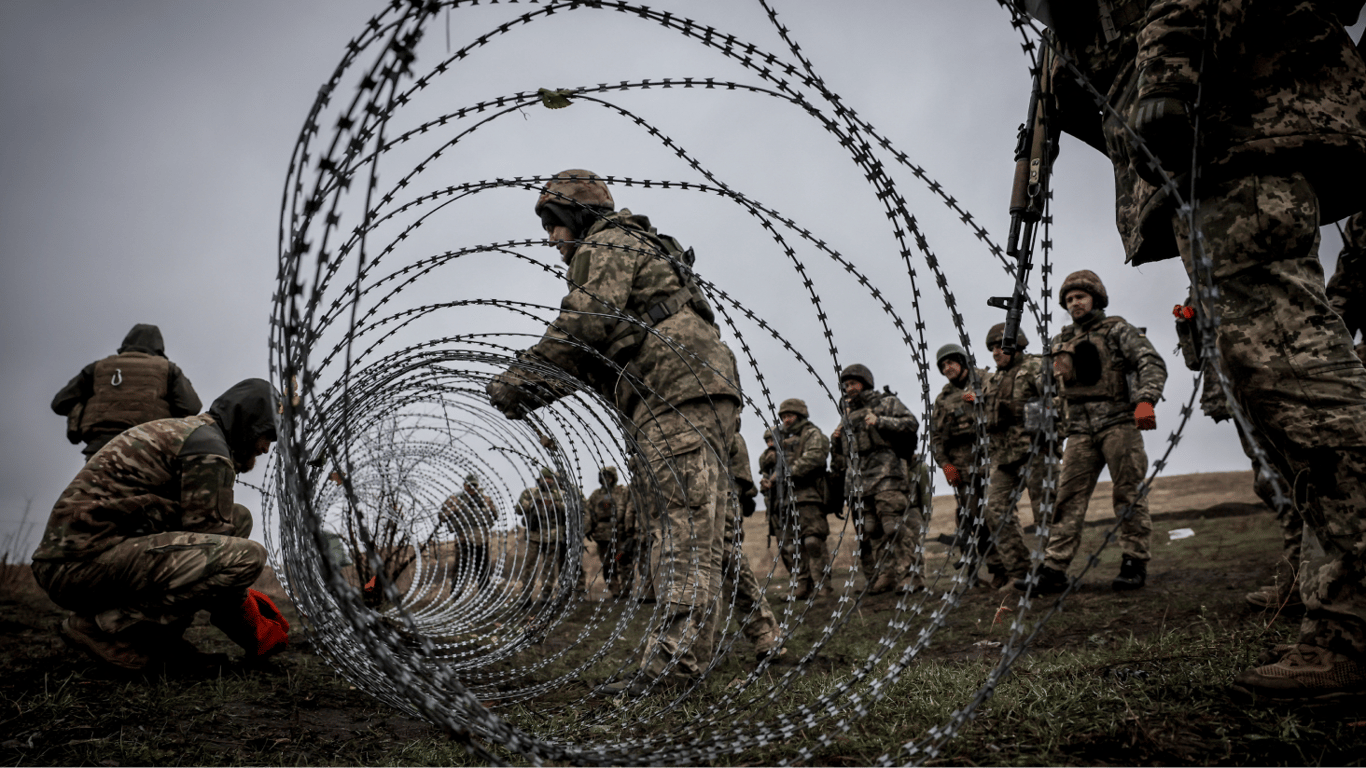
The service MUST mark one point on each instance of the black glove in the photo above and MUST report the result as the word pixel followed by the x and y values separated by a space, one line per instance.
pixel 747 506
pixel 1164 124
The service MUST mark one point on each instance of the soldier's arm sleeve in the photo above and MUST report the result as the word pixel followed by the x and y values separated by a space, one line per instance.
pixel 184 401
pixel 206 494
pixel 78 390
pixel 590 311
pixel 1171 42
pixel 896 417
pixel 838 461
pixel 1347 286
pixel 1075 108
pixel 811 461
pixel 1152 369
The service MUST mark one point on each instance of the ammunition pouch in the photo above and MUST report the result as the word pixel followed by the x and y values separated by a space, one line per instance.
pixel 1033 416
pixel 1093 371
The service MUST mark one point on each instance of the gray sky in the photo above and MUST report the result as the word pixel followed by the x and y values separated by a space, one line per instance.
pixel 145 149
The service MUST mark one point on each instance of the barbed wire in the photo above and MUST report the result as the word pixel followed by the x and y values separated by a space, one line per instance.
pixel 415 521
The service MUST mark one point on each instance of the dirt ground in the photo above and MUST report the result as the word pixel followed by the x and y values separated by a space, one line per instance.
pixel 319 718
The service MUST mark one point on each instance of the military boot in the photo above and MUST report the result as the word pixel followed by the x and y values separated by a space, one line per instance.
pixel 124 650
pixel 1133 574
pixel 767 646
pixel 1274 597
pixel 1305 672
pixel 885 582
pixel 1050 581
pixel 804 590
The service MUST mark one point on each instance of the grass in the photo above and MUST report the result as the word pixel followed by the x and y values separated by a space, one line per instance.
pixel 1135 679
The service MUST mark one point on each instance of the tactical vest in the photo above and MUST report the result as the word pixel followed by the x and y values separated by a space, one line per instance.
pixel 630 333
pixel 1003 415
pixel 130 389
pixel 792 444
pixel 1098 368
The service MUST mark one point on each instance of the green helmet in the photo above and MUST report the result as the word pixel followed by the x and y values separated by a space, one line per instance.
pixel 794 405
pixel 949 350
pixel 607 475
pixel 998 331
pixel 571 186
pixel 472 479
pixel 1084 280
pixel 860 372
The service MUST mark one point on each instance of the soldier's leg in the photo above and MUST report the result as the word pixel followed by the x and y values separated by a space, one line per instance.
pixel 906 529
pixel 869 527
pixel 1038 470
pixel 815 529
pixel 1128 463
pixel 149 582
pixel 682 451
pixel 889 506
pixel 1082 462
pixel 1009 558
pixel 1293 370
pixel 789 547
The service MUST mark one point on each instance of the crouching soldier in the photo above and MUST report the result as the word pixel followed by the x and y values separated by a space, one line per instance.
pixel 147 534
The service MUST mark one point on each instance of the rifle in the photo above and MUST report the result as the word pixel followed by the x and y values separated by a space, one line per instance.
pixel 1036 144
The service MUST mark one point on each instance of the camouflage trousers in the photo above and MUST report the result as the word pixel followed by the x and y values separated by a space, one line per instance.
pixel 547 555
pixel 890 533
pixel 618 563
pixel 1292 524
pixel 160 579
pixel 1008 554
pixel 1121 449
pixel 802 543
pixel 750 605
pixel 1296 376
pixel 967 497
pixel 686 452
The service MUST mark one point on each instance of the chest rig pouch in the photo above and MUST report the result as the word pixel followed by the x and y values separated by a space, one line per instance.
pixel 1090 366
pixel 630 332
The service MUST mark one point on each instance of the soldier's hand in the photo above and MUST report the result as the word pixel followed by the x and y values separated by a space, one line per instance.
pixel 765 483
pixel 951 474
pixel 969 397
pixel 1163 122
pixel 836 433
pixel 870 419
pixel 1144 416
pixel 507 395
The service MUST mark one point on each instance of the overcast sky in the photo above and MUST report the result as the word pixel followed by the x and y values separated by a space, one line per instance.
pixel 146 145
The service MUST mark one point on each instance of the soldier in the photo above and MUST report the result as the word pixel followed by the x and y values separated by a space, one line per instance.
pixel 799 518
pixel 636 327
pixel 1277 92
pixel 470 517
pixel 147 534
pixel 867 449
pixel 768 460
pixel 954 447
pixel 133 387
pixel 1008 396
pixel 543 511
pixel 1109 377
pixel 606 523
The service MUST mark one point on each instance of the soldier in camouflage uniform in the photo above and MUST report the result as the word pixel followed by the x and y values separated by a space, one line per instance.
pixel 546 517
pixel 470 517
pixel 609 523
pixel 954 447
pixel 867 451
pixel 147 534
pixel 133 387
pixel 1109 377
pixel 1006 395
pixel 1280 90
pixel 797 484
pixel 636 327
pixel 768 461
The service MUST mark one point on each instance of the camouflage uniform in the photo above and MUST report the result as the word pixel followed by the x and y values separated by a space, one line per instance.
pixel 546 517
pixel 1347 287
pixel 609 523
pixel 1283 150
pixel 135 386
pixel 147 533
pixel 801 540
pixel 470 517
pixel 953 443
pixel 876 483
pixel 637 328
pixel 1112 366
pixel 1005 395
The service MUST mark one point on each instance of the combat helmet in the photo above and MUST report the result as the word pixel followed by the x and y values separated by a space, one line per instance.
pixel 472 479
pixel 949 350
pixel 1086 280
pixel 860 372
pixel 998 331
pixel 797 406
pixel 556 205
pixel 607 473
pixel 768 435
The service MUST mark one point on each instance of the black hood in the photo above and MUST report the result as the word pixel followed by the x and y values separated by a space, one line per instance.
pixel 144 338
pixel 244 413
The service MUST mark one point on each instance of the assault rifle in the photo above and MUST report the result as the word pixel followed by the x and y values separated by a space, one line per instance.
pixel 1036 145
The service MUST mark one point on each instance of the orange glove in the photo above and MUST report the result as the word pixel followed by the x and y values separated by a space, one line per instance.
pixel 1144 416
pixel 1183 312
pixel 951 474
pixel 969 397
pixel 272 629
